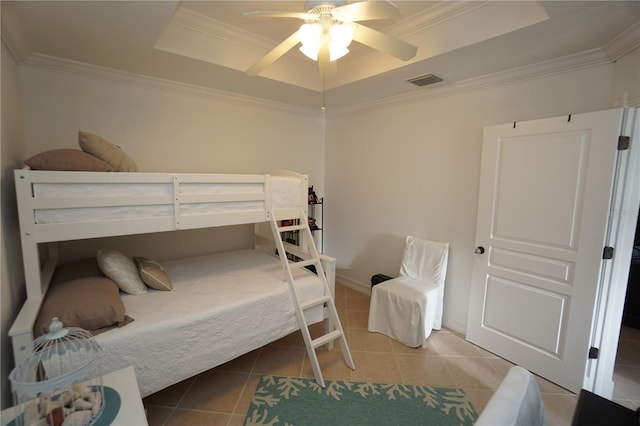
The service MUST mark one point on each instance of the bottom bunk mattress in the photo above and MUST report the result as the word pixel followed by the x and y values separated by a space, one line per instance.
pixel 222 306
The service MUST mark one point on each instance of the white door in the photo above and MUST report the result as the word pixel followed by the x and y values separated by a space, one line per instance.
pixel 545 190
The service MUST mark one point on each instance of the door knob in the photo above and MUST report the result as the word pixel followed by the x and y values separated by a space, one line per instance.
pixel 479 250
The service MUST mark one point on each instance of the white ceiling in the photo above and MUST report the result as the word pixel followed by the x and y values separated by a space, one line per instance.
pixel 210 43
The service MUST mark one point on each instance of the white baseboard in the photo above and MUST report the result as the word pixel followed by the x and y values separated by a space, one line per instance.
pixel 354 285
pixel 454 325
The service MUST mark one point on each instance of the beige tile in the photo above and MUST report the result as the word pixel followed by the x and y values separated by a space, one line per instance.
pixel 471 372
pixel 244 402
pixel 341 290
pixel 157 416
pixel 236 420
pixel 215 390
pixel 628 353
pixel 549 387
pixel 428 370
pixel 200 418
pixel 242 364
pixel 559 408
pixel 479 398
pixel 402 348
pixel 223 395
pixel 171 396
pixel 375 367
pixel 357 319
pixel 362 340
pixel 294 339
pixel 358 302
pixel 453 344
pixel 332 366
pixel 280 361
pixel 349 292
pixel 627 382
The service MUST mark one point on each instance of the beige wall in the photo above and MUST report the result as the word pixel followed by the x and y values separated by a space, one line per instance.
pixel 413 168
pixel 169 128
pixel 12 290
pixel 626 80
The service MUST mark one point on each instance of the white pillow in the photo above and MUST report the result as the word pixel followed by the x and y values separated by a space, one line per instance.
pixel 122 270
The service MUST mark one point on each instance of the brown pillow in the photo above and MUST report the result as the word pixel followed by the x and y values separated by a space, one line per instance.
pixel 91 303
pixel 76 269
pixel 67 159
pixel 152 274
pixel 107 151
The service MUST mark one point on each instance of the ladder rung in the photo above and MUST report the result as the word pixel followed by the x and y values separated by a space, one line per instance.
pixel 303 263
pixel 291 228
pixel 323 340
pixel 296 250
pixel 314 302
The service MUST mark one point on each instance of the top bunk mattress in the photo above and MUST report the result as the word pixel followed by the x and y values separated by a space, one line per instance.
pixel 140 200
pixel 221 306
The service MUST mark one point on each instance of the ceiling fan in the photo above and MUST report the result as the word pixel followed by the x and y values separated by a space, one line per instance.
pixel 329 28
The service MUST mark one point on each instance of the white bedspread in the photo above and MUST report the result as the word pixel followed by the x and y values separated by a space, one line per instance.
pixel 222 306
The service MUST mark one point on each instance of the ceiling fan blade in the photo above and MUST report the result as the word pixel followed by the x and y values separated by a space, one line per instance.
pixel 366 11
pixel 276 14
pixel 275 54
pixel 383 43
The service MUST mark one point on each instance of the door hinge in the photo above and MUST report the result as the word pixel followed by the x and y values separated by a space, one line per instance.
pixel 593 352
pixel 623 143
pixel 607 253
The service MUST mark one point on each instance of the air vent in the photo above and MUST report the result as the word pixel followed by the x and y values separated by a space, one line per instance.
pixel 425 80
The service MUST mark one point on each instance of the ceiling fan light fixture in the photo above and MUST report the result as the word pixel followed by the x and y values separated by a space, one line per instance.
pixel 310 52
pixel 341 35
pixel 312 37
pixel 336 52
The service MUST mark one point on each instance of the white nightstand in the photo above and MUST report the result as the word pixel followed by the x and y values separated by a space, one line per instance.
pixel 124 382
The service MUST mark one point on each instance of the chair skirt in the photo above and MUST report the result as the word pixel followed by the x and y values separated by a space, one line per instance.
pixel 406 310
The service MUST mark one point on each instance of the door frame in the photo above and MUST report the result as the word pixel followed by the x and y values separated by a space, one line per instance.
pixel 623 215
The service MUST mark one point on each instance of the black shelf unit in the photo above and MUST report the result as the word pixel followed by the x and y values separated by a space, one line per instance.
pixel 316 206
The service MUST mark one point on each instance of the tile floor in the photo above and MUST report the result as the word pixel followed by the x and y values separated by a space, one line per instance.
pixel 626 374
pixel 222 396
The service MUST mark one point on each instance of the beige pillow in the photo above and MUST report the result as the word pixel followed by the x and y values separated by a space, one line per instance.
pixel 106 151
pixel 87 267
pixel 67 159
pixel 122 270
pixel 92 303
pixel 152 274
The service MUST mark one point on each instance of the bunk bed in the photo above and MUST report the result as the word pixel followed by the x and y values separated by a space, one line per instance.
pixel 221 306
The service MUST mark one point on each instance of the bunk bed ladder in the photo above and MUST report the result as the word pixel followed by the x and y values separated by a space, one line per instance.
pixel 304 254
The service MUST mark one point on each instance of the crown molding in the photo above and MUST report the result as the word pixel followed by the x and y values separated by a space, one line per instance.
pixel 65 66
pixel 438 13
pixel 570 63
pixel 624 43
pixel 212 27
pixel 12 34
pixel 575 62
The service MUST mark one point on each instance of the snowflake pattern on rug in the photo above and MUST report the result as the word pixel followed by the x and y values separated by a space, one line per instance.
pixel 291 401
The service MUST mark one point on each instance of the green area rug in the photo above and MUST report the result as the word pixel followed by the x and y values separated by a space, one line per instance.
pixel 302 402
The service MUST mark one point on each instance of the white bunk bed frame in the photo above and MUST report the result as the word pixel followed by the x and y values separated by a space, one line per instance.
pixel 39 273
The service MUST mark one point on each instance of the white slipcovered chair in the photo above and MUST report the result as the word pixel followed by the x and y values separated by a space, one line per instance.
pixel 516 402
pixel 409 307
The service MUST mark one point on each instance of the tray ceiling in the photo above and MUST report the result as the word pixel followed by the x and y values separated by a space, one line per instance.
pixel 210 44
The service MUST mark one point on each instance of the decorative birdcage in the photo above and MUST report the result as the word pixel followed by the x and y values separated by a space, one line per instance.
pixel 57 383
